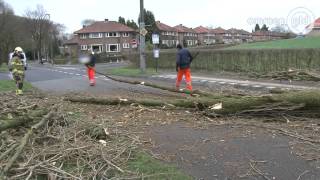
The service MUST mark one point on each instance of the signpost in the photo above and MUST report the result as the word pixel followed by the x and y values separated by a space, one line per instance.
pixel 155 38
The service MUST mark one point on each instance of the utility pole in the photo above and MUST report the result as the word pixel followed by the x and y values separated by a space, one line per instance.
pixel 142 39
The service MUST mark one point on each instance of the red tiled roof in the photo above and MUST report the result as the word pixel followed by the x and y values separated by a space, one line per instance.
pixel 73 40
pixel 219 30
pixel 315 24
pixel 238 31
pixel 183 29
pixel 201 30
pixel 105 26
pixel 164 27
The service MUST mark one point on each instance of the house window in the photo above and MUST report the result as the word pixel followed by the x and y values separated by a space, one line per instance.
pixel 125 34
pixel 113 48
pixel 189 42
pixel 96 48
pixel 83 36
pixel 95 35
pixel 112 34
pixel 84 47
pixel 126 45
pixel 165 42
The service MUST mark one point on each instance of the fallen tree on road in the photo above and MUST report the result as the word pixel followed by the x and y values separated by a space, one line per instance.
pixel 293 103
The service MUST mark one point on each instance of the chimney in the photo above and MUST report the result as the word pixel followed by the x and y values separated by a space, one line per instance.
pixel 106 20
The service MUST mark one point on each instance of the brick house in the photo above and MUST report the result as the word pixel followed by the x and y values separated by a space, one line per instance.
pixel 268 35
pixel 205 36
pixel 105 36
pixel 222 35
pixel 240 35
pixel 314 28
pixel 168 35
pixel 70 46
pixel 186 36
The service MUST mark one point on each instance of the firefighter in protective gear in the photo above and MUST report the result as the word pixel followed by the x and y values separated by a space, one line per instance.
pixel 183 63
pixel 17 68
pixel 91 67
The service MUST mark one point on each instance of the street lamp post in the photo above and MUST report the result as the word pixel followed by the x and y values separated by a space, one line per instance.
pixel 41 18
pixel 142 39
pixel 50 44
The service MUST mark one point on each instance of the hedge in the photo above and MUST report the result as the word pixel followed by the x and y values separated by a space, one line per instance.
pixel 261 60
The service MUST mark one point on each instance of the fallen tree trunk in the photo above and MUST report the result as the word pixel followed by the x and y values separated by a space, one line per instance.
pixel 194 92
pixel 20 121
pixel 293 103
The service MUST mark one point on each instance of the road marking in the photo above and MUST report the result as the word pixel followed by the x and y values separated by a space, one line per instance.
pixel 65 72
pixel 222 82
pixel 257 86
pixel 232 84
pixel 78 74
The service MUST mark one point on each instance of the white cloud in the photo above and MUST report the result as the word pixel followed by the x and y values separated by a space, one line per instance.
pixel 224 13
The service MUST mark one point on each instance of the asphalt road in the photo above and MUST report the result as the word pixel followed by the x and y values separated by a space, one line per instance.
pixel 74 79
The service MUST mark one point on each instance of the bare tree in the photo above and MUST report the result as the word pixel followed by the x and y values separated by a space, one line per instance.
pixel 6 36
pixel 39 25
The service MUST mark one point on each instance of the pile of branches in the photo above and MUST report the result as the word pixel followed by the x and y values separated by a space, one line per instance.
pixel 293 75
pixel 39 140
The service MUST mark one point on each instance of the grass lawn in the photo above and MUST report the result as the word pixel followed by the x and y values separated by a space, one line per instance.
pixel 9 85
pixel 299 43
pixel 154 169
pixel 4 68
pixel 131 72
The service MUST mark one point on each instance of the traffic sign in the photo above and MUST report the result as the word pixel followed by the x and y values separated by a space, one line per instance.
pixel 143 32
pixel 155 38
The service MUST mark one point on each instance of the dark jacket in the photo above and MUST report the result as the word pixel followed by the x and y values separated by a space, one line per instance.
pixel 21 56
pixel 92 61
pixel 184 58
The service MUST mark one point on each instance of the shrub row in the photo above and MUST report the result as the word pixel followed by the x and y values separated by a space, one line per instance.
pixel 261 60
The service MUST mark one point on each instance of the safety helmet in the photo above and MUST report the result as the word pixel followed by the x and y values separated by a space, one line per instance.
pixel 18 49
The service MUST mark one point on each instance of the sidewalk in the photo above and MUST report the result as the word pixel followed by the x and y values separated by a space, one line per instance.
pixel 239 83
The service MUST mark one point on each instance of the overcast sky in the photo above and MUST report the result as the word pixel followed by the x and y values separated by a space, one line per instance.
pixel 192 13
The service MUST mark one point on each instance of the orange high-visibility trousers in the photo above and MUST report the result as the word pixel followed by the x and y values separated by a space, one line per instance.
pixel 187 74
pixel 91 73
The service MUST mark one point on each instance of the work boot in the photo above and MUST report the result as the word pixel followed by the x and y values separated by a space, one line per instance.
pixel 19 92
pixel 92 83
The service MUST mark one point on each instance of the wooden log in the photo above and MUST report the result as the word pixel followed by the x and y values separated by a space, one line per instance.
pixel 194 92
pixel 20 121
pixel 295 103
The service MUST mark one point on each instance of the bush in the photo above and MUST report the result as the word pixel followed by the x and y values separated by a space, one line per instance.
pixel 260 60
